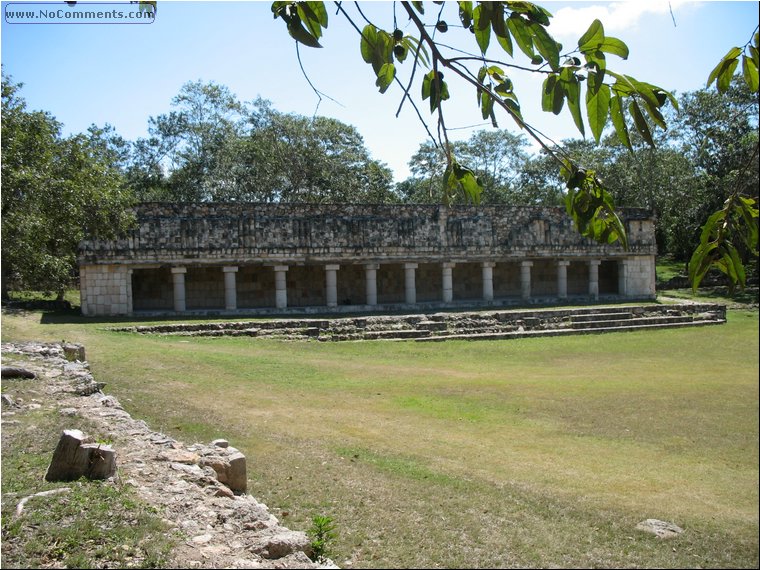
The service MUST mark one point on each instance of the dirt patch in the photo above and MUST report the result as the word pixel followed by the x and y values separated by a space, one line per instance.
pixel 215 527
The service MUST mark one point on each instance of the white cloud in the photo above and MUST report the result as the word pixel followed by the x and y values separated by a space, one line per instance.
pixel 570 22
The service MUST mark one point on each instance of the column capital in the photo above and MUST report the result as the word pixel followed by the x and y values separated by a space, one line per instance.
pixel 448 265
pixel 594 261
pixel 179 269
pixel 280 267
pixel 490 264
pixel 332 267
pixel 526 264
pixel 411 265
pixel 371 266
pixel 230 269
pixel 563 262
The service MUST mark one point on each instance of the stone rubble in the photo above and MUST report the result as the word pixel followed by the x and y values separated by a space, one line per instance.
pixel 198 488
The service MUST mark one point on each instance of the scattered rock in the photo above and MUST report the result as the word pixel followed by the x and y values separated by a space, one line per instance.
pixel 661 529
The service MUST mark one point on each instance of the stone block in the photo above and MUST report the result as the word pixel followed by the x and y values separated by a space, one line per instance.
pixel 75 457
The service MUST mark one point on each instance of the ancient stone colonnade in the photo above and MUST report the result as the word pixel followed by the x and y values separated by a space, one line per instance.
pixel 251 258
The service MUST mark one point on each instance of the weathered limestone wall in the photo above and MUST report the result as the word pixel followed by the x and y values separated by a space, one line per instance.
pixel 286 233
pixel 639 277
pixel 105 290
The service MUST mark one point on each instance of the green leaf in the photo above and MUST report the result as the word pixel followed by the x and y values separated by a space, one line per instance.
pixel 755 55
pixel 655 115
pixel 720 69
pixel 547 93
pixel 434 88
pixel 545 44
pixel 385 77
pixel 519 30
pixel 482 25
pixel 598 109
pixel 486 105
pixel 749 70
pixel 376 47
pixel 592 38
pixel 468 182
pixel 573 95
pixel 368 41
pixel 465 13
pixel 615 47
pixel 300 34
pixel 724 80
pixel 618 120
pixel 640 122
pixel 314 15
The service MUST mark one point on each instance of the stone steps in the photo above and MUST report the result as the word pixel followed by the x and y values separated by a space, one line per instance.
pixel 464 325
pixel 567 331
pixel 631 321
pixel 601 317
pixel 396 334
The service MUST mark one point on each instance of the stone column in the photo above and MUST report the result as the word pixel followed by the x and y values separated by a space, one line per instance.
pixel 562 279
pixel 593 278
pixel 280 286
pixel 525 279
pixel 230 287
pixel 130 297
pixel 410 284
pixel 448 282
pixel 488 280
pixel 178 277
pixel 370 275
pixel 331 285
pixel 623 277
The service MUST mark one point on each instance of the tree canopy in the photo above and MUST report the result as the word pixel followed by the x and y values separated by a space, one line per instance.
pixel 56 191
pixel 212 147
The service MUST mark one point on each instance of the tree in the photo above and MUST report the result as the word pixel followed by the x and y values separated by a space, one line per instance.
pixel 212 147
pixel 731 233
pixel 291 158
pixel 56 192
pixel 629 104
pixel 495 157
pixel 190 154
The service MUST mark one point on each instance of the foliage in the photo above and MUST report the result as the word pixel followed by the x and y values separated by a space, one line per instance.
pixel 629 104
pixel 732 230
pixel 212 147
pixel 56 192
pixel 322 533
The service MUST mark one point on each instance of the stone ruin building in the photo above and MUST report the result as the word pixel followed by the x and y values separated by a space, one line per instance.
pixel 230 259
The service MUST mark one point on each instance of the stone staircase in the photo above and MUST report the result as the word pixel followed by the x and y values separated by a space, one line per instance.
pixel 481 325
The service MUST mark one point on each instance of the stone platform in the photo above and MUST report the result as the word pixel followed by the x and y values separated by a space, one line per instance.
pixel 481 325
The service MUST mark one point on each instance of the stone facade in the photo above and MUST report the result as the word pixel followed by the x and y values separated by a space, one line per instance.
pixel 231 258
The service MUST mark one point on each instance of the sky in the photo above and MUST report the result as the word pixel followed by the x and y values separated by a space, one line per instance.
pixel 122 74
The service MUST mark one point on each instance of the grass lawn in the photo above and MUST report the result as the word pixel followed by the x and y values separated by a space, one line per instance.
pixel 528 452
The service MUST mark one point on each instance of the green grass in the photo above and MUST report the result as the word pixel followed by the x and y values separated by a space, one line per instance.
pixel 527 452
pixel 666 268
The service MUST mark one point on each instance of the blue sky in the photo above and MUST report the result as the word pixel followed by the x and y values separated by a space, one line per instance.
pixel 123 74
